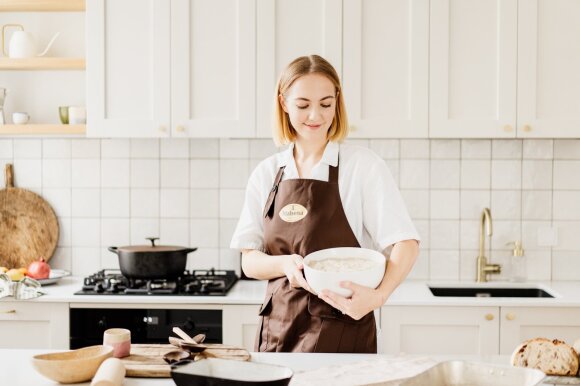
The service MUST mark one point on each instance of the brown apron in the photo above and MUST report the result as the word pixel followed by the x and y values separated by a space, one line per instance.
pixel 293 319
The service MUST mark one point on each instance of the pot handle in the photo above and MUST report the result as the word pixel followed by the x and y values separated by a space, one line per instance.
pixel 189 250
pixel 152 239
pixel 113 249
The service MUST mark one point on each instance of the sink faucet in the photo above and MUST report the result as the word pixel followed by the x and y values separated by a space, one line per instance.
pixel 483 269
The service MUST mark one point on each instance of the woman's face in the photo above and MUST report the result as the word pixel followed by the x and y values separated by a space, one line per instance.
pixel 311 104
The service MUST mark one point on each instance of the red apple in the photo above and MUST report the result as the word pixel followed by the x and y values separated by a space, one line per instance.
pixel 39 269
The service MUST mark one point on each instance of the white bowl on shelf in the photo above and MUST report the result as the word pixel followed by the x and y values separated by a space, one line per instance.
pixel 369 277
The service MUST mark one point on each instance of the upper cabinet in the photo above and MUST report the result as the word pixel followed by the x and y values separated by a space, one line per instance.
pixel 473 56
pixel 548 63
pixel 385 67
pixel 287 29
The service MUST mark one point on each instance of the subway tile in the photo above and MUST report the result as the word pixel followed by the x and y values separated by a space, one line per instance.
pixel 145 173
pixel 537 174
pixel 115 148
pixel 445 149
pixel 204 233
pixel 85 260
pixel 468 264
pixel 62 259
pixel 357 142
pixel 565 173
pixel 174 173
pixel 506 174
pixel 394 167
pixel 174 231
pixel 144 203
pixel 204 148
pixel 204 173
pixel 6 146
pixel 230 260
pixel 262 148
pixel 144 148
pixel 566 205
pixel 109 260
pixel 115 232
pixel 56 173
pixel 55 148
pixel 505 231
pixel 567 149
pixel 414 148
pixel 86 173
pixel 475 174
pixel 86 148
pixel 506 204
pixel 204 203
pixel 203 259
pixel 27 173
pixel 538 265
pixel 444 265
pixel 233 173
pixel 417 203
pixel 422 227
pixel 174 148
pixel 507 149
pixel 414 174
pixel 174 203
pixel 86 202
pixel 469 234
pixel 234 148
pixel 444 205
pixel 27 148
pixel 565 265
pixel 420 270
pixel 538 149
pixel 231 203
pixel 115 203
pixel 65 231
pixel 475 149
pixel 536 205
pixel 385 148
pixel 115 173
pixel 445 174
pixel 227 228
pixel 444 234
pixel 59 199
pixel 531 232
pixel 86 232
pixel 473 202
pixel 142 228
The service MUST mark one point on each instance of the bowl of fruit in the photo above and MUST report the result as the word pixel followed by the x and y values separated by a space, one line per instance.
pixel 39 270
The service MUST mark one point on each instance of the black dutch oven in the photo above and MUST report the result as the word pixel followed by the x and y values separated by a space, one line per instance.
pixel 152 261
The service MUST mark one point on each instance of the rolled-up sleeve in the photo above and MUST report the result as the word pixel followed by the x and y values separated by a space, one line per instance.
pixel 249 232
pixel 385 215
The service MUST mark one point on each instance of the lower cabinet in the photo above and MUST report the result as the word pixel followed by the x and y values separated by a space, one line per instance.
pixel 34 325
pixel 440 330
pixel 240 323
pixel 521 323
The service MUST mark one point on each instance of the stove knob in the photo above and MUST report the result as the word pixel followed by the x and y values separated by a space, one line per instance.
pixel 115 287
pixel 99 288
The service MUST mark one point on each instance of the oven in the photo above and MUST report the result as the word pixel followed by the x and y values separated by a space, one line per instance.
pixel 147 325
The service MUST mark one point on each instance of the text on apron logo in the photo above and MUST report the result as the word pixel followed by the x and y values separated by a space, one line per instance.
pixel 293 213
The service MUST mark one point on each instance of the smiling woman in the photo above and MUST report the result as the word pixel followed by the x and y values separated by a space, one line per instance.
pixel 316 195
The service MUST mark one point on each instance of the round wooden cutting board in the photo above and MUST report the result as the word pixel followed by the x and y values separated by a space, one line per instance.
pixel 28 226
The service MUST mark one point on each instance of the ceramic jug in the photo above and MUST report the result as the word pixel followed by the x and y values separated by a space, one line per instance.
pixel 22 43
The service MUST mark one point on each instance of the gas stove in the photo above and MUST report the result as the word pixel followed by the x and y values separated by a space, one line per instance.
pixel 210 282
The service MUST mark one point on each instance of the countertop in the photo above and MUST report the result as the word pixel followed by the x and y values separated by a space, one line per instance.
pixel 17 370
pixel 409 293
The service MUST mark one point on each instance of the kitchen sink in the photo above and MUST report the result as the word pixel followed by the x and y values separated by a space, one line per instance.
pixel 493 292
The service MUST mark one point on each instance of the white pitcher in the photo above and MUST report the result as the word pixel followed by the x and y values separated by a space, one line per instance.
pixel 23 44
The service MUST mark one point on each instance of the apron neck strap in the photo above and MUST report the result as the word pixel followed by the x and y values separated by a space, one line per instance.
pixel 333 172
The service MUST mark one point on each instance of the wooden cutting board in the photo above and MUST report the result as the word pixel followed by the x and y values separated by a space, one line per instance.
pixel 28 226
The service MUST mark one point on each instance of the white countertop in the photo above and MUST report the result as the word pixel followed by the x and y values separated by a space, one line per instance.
pixel 409 293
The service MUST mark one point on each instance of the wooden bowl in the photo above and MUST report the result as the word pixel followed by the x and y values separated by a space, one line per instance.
pixel 72 366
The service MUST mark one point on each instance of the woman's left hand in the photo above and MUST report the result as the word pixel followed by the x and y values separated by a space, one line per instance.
pixel 363 300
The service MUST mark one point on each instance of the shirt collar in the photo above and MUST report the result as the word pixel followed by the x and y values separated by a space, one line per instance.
pixel 329 157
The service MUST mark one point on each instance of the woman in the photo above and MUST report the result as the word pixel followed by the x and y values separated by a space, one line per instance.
pixel 319 194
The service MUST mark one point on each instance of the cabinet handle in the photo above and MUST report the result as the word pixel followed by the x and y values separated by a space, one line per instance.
pixel 8 312
pixel 489 316
pixel 510 316
pixel 527 128
pixel 180 129
pixel 508 128
pixel 353 128
pixel 162 129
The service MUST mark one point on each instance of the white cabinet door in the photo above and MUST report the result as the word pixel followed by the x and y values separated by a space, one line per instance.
pixel 522 323
pixel 473 56
pixel 34 325
pixel 213 56
pixel 128 84
pixel 548 63
pixel 286 30
pixel 385 67
pixel 240 323
pixel 440 330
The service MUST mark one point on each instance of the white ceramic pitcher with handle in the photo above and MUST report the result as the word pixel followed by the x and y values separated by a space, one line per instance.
pixel 23 43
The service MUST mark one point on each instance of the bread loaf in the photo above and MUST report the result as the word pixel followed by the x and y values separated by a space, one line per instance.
pixel 553 357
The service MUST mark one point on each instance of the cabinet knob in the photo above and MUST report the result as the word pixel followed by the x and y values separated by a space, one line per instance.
pixel 353 128
pixel 527 128
pixel 162 128
pixel 508 128
pixel 510 316
pixel 489 316
pixel 8 312
pixel 180 129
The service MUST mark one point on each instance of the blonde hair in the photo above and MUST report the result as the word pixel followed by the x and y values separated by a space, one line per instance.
pixel 283 132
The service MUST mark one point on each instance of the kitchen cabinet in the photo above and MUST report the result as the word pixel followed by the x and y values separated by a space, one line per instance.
pixel 240 325
pixel 279 41
pixel 385 67
pixel 440 330
pixel 173 68
pixel 34 325
pixel 521 323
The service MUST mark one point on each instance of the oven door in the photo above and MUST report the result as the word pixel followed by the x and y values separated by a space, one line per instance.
pixel 147 325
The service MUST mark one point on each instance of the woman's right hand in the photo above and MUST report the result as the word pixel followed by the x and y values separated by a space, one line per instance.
pixel 293 270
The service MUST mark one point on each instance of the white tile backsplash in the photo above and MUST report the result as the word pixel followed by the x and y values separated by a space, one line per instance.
pixel 190 192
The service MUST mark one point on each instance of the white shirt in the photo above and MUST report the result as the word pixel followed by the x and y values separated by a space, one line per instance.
pixel 371 200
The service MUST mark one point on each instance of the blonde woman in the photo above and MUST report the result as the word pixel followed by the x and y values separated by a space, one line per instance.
pixel 319 194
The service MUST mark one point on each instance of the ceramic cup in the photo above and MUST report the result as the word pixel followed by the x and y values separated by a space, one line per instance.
pixel 120 340
pixel 20 118
pixel 63 114
pixel 77 115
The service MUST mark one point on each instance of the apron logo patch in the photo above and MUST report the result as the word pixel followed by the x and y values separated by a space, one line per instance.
pixel 293 213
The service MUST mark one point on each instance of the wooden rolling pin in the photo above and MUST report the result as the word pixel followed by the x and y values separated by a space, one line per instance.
pixel 110 373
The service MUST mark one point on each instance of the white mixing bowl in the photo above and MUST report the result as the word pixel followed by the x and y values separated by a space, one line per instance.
pixel 330 280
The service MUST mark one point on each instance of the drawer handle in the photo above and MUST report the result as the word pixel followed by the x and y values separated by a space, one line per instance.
pixel 507 128
pixel 180 129
pixel 527 128
pixel 8 312
pixel 489 317
pixel 510 316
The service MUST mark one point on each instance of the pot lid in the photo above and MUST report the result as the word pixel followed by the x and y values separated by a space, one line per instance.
pixel 153 247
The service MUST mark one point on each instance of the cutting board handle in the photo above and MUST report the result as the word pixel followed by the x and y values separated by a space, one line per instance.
pixel 9 176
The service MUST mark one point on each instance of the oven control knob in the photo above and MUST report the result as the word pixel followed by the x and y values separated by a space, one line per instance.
pixel 99 288
pixel 102 323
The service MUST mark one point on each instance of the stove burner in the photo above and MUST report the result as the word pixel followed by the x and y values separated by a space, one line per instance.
pixel 210 282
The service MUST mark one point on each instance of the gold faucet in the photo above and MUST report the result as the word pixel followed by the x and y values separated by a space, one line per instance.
pixel 483 269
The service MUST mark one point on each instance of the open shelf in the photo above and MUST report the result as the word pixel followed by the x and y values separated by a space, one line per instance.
pixel 42 64
pixel 42 5
pixel 42 129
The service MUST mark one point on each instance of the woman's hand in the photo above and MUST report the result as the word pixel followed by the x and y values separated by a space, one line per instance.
pixel 363 300
pixel 293 267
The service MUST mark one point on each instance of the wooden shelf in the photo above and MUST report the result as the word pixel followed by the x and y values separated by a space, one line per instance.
pixel 42 64
pixel 42 5
pixel 42 129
